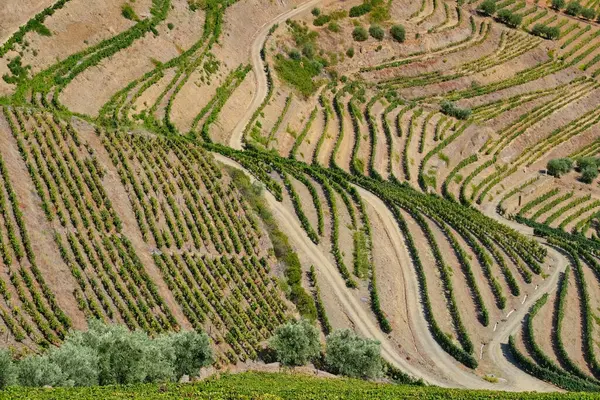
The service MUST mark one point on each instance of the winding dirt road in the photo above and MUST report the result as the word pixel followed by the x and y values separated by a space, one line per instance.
pixel 449 373
pixel 258 70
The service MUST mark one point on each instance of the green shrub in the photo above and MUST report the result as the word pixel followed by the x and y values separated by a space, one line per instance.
pixel 111 354
pixel 294 54
pixel 398 33
pixel 488 7
pixel 574 8
pixel 299 73
pixel 127 12
pixel 509 18
pixel 558 4
pixel 589 174
pixel 170 25
pixel 360 34
pixel 309 50
pixel 296 343
pixel 547 32
pixel 334 27
pixel 377 32
pixel 559 166
pixel 40 28
pixel 360 10
pixel 452 110
pixel 586 162
pixel 379 14
pixel 350 52
pixel 316 11
pixel 7 369
pixel 351 355
pixel 321 20
pixel 588 13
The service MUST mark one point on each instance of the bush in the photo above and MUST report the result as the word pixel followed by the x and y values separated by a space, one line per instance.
pixel 79 364
pixel 589 174
pixel 377 32
pixel 588 167
pixel 7 369
pixel 296 343
pixel 294 54
pixel 547 32
pixel 558 4
pixel 191 350
pixel 510 19
pixel 170 25
pixel 587 162
pixel 128 12
pixel 350 52
pixel 38 371
pixel 308 50
pixel 351 355
pixel 488 7
pixel 316 11
pixel 334 27
pixel 360 34
pixel 452 110
pixel 398 33
pixel 559 166
pixel 321 20
pixel 111 354
pixel 588 13
pixel 574 8
pixel 360 10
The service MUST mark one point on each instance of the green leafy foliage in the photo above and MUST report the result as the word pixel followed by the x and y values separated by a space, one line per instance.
pixel 111 354
pixel 509 18
pixel 7 369
pixel 299 73
pixel 351 355
pixel 574 8
pixel 547 32
pixel 488 7
pixel 296 343
pixel 559 166
pixel 377 32
pixel 360 34
pixel 453 110
pixel 398 33
pixel 128 12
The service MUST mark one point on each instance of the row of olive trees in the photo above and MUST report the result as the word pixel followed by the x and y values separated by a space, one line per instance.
pixel 110 354
pixel 297 343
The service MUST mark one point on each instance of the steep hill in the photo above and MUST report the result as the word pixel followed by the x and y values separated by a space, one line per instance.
pixel 172 164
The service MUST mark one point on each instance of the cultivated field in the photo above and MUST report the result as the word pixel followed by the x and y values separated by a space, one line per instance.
pixel 381 165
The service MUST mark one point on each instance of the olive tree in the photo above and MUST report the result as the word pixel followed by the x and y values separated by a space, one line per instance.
pixel 488 7
pixel 559 166
pixel 398 33
pixel 351 355
pixel 296 343
pixel 192 351
pixel 377 32
pixel 78 364
pixel 40 371
pixel 360 34
pixel 7 369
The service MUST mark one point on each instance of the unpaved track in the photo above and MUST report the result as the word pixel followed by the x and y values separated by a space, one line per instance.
pixel 451 374
pixel 258 70
pixel 516 380
pixel 359 316
pixel 494 349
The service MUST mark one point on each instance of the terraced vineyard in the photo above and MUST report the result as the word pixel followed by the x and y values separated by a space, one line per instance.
pixel 396 180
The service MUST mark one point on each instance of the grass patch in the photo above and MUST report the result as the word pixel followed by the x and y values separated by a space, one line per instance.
pixel 299 73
